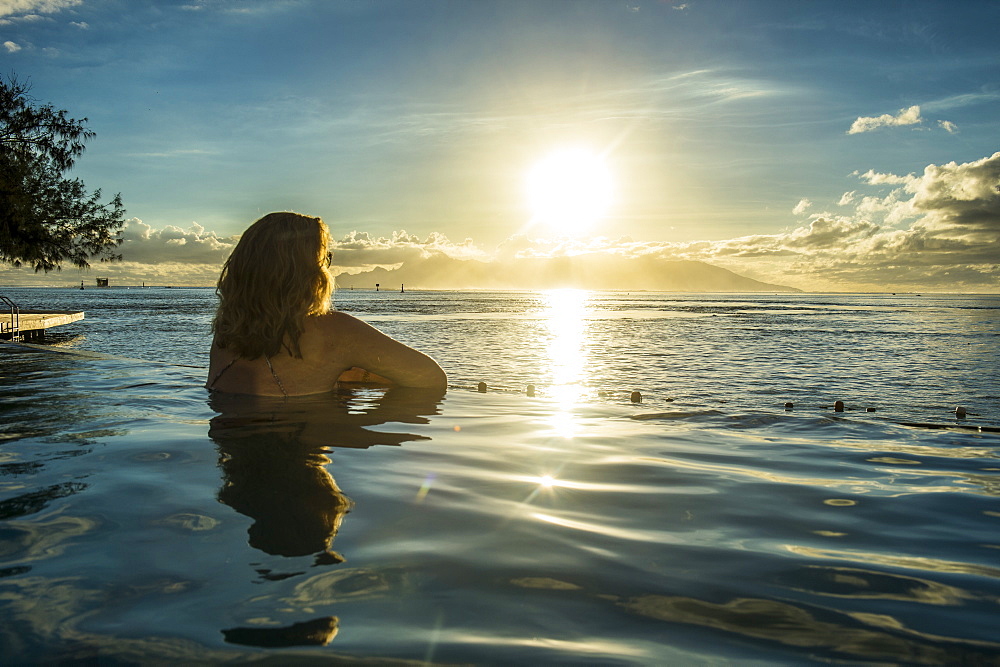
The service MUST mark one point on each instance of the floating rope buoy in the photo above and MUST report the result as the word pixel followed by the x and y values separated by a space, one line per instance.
pixel 636 397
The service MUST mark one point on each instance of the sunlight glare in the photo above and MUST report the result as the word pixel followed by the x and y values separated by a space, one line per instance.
pixel 566 322
pixel 569 191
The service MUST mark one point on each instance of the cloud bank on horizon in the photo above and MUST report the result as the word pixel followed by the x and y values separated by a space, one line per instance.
pixel 795 144
pixel 908 232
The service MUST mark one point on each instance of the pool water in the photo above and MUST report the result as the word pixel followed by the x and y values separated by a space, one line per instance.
pixel 144 520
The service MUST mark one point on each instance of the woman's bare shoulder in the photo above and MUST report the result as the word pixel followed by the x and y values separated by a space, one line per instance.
pixel 339 327
pixel 358 344
pixel 335 320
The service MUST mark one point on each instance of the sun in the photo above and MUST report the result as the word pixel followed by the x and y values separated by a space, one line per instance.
pixel 569 191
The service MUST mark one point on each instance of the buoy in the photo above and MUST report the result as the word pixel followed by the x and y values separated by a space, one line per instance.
pixel 960 412
pixel 636 397
pixel 789 405
pixel 838 406
pixel 869 409
pixel 482 387
pixel 531 390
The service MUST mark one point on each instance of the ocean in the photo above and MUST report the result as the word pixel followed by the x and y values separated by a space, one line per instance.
pixel 704 522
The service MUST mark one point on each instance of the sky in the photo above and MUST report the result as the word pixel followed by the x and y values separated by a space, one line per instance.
pixel 826 146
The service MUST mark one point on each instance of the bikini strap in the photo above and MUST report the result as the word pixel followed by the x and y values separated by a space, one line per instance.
pixel 275 376
pixel 219 374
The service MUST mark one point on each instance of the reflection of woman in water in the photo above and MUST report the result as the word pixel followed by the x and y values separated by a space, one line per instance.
pixel 280 482
pixel 275 332
pixel 273 453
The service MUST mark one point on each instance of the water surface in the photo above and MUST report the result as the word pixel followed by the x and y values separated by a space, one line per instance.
pixel 142 519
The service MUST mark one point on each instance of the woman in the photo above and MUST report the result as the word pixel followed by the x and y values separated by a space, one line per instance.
pixel 275 331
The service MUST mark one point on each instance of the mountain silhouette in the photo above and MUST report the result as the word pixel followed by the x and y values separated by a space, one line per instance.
pixel 589 271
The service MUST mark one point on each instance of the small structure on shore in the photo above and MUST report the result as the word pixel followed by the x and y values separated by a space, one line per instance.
pixel 102 282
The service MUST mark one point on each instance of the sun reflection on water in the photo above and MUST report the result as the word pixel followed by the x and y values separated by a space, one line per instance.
pixel 565 319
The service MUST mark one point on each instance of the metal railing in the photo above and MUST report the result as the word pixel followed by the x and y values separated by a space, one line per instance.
pixel 12 328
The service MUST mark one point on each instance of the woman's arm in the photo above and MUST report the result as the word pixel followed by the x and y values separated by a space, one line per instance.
pixel 358 375
pixel 361 345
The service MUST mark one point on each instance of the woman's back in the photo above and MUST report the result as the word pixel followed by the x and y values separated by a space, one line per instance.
pixel 330 344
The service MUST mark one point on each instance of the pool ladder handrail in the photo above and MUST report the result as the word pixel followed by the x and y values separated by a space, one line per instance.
pixel 13 329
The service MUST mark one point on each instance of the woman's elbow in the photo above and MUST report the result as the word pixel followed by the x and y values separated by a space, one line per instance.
pixel 431 377
pixel 435 378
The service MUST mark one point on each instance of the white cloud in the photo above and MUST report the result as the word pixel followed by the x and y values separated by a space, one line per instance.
pixel 802 206
pixel 357 251
pixel 239 6
pixel 872 177
pixel 168 256
pixel 962 200
pixel 26 18
pixel 11 7
pixel 963 100
pixel 82 25
pixel 173 245
pixel 11 47
pixel 937 230
pixel 909 116
pixel 173 153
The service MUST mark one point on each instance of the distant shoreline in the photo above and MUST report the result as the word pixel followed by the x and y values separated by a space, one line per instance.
pixel 514 290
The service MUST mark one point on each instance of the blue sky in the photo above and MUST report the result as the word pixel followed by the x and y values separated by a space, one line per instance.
pixel 823 145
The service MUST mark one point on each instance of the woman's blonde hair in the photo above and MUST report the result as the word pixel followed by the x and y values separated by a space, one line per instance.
pixel 275 277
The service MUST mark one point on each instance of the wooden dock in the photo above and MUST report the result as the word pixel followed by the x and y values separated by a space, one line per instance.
pixel 31 324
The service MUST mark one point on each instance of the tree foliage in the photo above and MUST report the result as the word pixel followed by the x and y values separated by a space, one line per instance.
pixel 47 219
